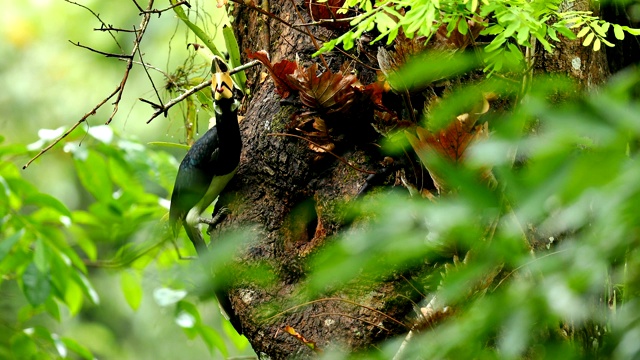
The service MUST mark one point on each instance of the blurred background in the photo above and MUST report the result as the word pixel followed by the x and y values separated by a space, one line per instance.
pixel 48 85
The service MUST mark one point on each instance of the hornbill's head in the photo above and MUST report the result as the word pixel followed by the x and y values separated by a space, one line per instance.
pixel 222 84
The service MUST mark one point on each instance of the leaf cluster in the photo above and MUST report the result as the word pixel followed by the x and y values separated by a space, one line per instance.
pixel 533 264
pixel 510 24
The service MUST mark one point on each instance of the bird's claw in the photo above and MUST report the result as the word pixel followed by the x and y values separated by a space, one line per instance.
pixel 216 219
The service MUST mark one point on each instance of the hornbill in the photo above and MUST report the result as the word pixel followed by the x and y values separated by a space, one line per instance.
pixel 206 169
pixel 210 163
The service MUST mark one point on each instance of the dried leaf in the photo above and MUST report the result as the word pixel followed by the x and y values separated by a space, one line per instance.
pixel 329 93
pixel 451 143
pixel 323 148
pixel 278 71
pixel 311 344
pixel 312 127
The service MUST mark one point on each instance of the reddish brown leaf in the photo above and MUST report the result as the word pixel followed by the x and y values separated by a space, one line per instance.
pixel 278 71
pixel 451 142
pixel 329 93
pixel 326 12
pixel 374 92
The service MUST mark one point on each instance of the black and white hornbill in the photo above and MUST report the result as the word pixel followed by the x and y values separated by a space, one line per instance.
pixel 210 163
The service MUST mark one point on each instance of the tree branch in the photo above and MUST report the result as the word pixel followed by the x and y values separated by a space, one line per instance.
pixel 162 109
pixel 83 119
pixel 156 11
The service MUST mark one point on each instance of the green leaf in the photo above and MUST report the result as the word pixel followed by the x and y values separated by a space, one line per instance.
pixel 474 5
pixel 492 30
pixel 52 308
pixel 425 69
pixel 77 348
pixel 41 256
pixel 73 297
pixel 511 29
pixel 552 34
pixel 523 35
pixel 213 340
pixel 36 285
pixel 618 32
pixel 131 288
pixel 86 287
pixel 463 27
pixel 45 200
pixel 7 244
pixel 94 175
pixel 234 57
pixel 566 32
pixel 587 41
pixel 583 32
pixel 496 43
pixel 201 34
pixel 23 346
pixel 596 45
pixel 631 31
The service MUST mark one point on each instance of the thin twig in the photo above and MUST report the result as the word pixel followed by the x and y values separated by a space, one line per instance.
pixel 153 85
pixel 264 12
pixel 351 317
pixel 296 28
pixel 337 299
pixel 106 54
pixel 162 109
pixel 101 22
pixel 83 119
pixel 117 92
pixel 527 264
pixel 156 11
pixel 138 6
pixel 342 160
pixel 325 21
pixel 110 27
pixel 136 45
pixel 308 32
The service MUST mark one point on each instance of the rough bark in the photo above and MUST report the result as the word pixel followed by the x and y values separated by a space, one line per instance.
pixel 290 198
pixel 569 58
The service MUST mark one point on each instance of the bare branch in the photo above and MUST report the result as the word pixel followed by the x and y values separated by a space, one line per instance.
pixel 120 89
pixel 325 21
pixel 156 11
pixel 138 6
pixel 136 45
pixel 106 54
pixel 313 38
pixel 148 75
pixel 110 27
pixel 83 119
pixel 105 26
pixel 162 109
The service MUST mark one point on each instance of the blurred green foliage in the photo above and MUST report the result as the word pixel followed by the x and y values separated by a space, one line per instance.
pixel 541 265
pixel 85 263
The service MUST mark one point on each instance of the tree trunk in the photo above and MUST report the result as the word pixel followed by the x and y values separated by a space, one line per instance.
pixel 289 196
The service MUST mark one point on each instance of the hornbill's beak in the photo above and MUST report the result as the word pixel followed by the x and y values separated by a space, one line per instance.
pixel 222 84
